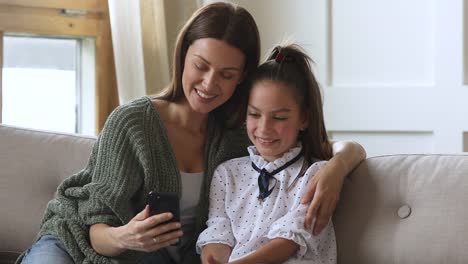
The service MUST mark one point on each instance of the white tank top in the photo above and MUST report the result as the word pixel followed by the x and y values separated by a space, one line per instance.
pixel 191 187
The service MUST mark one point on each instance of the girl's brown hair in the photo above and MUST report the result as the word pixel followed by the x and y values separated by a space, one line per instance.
pixel 290 65
pixel 223 21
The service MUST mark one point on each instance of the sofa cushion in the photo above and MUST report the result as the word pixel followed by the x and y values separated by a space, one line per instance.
pixel 33 163
pixel 405 209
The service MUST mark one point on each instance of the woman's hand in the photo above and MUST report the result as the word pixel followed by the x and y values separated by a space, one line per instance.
pixel 143 233
pixel 325 187
pixel 324 192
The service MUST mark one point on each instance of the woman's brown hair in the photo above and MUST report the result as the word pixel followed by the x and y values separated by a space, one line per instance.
pixel 223 21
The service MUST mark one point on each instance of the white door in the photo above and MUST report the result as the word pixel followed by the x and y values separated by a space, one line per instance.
pixel 394 72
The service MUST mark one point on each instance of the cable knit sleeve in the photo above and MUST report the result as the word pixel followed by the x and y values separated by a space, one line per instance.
pixel 118 170
pixel 219 225
pixel 291 225
pixel 106 185
pixel 103 192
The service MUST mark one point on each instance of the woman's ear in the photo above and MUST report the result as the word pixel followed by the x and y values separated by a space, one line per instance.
pixel 242 78
pixel 304 122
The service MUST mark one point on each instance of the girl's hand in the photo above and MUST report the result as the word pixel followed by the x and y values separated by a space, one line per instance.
pixel 146 233
pixel 324 192
pixel 215 253
pixel 211 260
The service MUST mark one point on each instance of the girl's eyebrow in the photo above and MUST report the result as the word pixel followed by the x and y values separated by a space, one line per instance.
pixel 225 68
pixel 281 110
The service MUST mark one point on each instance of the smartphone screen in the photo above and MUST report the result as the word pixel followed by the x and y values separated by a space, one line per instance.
pixel 163 202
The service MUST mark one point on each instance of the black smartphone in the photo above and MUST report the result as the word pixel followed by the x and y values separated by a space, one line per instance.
pixel 164 202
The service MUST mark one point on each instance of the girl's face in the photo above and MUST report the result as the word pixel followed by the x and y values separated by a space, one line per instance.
pixel 273 119
pixel 212 70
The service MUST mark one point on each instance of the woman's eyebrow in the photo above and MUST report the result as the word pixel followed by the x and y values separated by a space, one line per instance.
pixel 207 62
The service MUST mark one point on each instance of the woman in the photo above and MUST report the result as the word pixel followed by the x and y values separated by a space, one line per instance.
pixel 171 143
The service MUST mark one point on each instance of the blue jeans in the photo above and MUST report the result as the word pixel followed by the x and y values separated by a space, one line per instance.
pixel 49 250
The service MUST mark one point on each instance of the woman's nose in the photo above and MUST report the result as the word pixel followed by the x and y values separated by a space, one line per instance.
pixel 209 80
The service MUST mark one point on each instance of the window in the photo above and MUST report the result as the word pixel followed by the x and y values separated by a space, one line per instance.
pixel 57 65
pixel 42 84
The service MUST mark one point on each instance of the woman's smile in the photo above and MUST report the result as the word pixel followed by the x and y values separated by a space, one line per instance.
pixel 204 95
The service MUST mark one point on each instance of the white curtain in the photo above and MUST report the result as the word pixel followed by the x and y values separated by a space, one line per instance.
pixel 143 34
pixel 128 53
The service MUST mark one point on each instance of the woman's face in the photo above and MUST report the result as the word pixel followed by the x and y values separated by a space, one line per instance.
pixel 212 70
pixel 273 119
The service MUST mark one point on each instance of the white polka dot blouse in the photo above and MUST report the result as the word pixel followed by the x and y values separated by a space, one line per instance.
pixel 239 219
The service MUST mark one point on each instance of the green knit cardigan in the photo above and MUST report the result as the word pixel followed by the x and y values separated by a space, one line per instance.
pixel 131 157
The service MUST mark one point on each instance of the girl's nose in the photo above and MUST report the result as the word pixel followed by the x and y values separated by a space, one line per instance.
pixel 264 124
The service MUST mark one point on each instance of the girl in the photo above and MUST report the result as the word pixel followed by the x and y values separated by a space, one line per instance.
pixel 255 213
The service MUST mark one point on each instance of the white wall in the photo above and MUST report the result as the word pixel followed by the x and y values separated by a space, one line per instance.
pixel 394 72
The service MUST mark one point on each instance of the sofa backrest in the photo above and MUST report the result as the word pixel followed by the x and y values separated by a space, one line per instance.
pixel 393 209
pixel 405 209
pixel 32 165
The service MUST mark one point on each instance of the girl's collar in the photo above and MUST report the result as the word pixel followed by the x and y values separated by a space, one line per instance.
pixel 261 163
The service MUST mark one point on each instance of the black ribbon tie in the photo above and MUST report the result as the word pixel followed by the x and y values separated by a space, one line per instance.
pixel 265 176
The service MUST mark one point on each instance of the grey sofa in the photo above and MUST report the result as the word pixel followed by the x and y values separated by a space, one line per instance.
pixel 393 209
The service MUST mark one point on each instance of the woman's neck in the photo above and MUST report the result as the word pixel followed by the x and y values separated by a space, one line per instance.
pixel 183 116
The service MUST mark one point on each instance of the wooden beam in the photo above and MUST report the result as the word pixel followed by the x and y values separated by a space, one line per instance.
pixel 24 10
pixel 47 21
pixel 89 5
pixel 48 25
